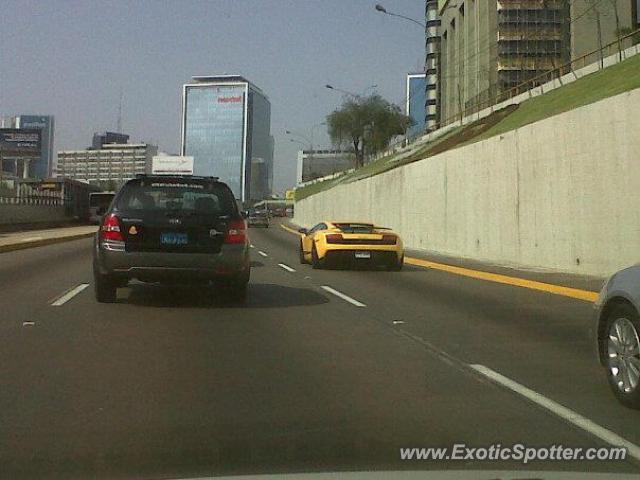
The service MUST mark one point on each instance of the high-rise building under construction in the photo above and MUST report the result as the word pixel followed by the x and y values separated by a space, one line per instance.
pixel 488 47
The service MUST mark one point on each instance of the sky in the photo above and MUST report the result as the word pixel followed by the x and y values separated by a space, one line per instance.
pixel 71 59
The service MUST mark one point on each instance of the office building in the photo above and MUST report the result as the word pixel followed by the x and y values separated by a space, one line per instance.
pixel 226 128
pixel 41 166
pixel 314 164
pixel 596 23
pixel 111 164
pixel 106 138
pixel 417 103
pixel 491 46
pixel 431 66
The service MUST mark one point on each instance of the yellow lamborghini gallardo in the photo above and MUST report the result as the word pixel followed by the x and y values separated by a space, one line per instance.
pixel 349 243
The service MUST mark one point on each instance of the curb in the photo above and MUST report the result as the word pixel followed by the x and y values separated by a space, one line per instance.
pixel 45 241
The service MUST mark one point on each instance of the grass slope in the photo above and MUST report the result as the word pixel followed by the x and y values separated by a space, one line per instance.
pixel 594 87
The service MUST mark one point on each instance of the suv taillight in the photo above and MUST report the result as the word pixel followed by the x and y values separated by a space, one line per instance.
pixel 237 232
pixel 110 229
pixel 389 239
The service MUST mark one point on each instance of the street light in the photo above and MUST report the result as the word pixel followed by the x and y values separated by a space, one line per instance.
pixel 381 9
pixel 310 140
pixel 346 92
pixel 289 132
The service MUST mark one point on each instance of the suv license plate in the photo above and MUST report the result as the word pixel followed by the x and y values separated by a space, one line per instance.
pixel 174 238
pixel 362 254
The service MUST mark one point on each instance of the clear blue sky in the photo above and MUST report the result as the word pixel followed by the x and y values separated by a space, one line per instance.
pixel 71 58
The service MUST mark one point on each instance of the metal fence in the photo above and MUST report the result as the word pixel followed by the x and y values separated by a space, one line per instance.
pixel 41 200
pixel 596 57
pixel 494 96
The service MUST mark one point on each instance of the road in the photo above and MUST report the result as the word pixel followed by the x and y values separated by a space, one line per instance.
pixel 174 382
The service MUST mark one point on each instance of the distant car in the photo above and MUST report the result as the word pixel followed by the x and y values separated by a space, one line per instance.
pixel 332 243
pixel 98 205
pixel 181 229
pixel 258 218
pixel 289 212
pixel 617 334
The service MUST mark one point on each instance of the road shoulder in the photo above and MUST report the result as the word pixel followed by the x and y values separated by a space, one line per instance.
pixel 36 238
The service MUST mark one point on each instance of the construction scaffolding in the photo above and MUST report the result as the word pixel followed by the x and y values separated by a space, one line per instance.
pixel 533 38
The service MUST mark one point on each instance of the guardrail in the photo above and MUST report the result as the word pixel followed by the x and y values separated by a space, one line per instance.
pixel 32 200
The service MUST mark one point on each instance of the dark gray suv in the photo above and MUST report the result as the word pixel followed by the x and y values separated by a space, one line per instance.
pixel 175 229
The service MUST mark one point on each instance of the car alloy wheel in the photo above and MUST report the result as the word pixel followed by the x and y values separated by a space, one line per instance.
pixel 623 353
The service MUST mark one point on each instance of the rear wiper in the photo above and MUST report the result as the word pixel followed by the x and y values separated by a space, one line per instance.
pixel 176 213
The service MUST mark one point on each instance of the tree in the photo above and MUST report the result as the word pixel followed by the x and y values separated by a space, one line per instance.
pixel 367 124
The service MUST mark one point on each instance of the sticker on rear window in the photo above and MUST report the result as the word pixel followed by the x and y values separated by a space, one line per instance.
pixel 179 185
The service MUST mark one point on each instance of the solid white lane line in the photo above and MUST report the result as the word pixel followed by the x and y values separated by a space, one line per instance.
pixel 569 415
pixel 69 295
pixel 286 267
pixel 262 253
pixel 343 296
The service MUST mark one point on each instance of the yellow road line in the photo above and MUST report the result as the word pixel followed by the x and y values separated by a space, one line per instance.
pixel 585 295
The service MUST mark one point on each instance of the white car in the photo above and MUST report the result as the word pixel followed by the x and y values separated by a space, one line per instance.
pixel 617 334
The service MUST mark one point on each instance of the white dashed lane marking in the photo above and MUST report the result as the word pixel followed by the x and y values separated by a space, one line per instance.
pixel 65 297
pixel 286 267
pixel 563 412
pixel 262 253
pixel 344 297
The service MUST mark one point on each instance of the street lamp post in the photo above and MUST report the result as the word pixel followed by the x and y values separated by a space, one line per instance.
pixel 304 137
pixel 296 134
pixel 351 94
pixel 381 9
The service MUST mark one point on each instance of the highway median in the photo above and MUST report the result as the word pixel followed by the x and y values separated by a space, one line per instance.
pixel 10 242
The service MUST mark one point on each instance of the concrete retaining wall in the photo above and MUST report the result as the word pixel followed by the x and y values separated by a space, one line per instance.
pixel 29 214
pixel 561 194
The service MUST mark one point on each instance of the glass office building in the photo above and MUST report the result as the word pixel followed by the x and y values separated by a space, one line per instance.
pixel 226 123
pixel 417 103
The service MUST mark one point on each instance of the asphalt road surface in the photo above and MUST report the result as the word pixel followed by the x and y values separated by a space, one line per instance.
pixel 319 371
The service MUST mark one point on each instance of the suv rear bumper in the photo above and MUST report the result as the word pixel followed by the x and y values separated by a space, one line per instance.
pixel 232 261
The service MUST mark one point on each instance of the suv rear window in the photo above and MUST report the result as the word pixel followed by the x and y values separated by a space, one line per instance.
pixel 179 197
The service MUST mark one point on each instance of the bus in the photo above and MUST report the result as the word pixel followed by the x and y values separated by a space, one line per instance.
pixel 98 204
